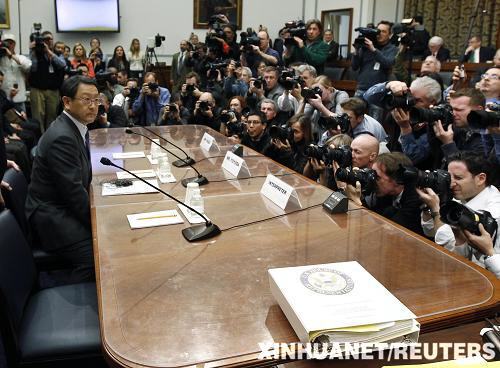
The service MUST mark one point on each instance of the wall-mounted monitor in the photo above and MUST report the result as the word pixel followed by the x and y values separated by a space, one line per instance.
pixel 87 15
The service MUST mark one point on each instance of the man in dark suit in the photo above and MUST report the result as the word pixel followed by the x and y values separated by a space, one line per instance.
pixel 179 68
pixel 476 53
pixel 57 205
pixel 333 48
pixel 109 116
pixel 436 48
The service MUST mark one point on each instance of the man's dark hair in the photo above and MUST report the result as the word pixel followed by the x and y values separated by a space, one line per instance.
pixel 356 105
pixel 258 113
pixel 70 85
pixel 46 33
pixel 391 162
pixel 476 96
pixel 270 68
pixel 133 80
pixel 419 19
pixel 476 164
pixel 387 23
pixel 191 75
pixel 317 22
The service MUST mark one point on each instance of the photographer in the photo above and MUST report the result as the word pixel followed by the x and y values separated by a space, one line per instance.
pixel 289 142
pixel 190 91
pixel 46 77
pixel 312 50
pixel 206 112
pixel 237 80
pixel 254 54
pixel 108 116
pixel 397 202
pixel 256 137
pixel 14 68
pixel 374 61
pixel 269 88
pixel 174 113
pixel 231 119
pixel 471 178
pixel 126 99
pixel 197 60
pixel 151 99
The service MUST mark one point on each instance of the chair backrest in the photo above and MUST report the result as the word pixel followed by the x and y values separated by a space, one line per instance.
pixel 17 278
pixel 16 198
pixel 334 73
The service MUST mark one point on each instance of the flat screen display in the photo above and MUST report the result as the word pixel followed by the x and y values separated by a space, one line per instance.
pixel 87 16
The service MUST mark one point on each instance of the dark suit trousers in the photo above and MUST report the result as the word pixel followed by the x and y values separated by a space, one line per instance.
pixel 81 257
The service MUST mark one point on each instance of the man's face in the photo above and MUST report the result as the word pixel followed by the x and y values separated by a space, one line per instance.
pixel 327 36
pixel 362 156
pixel 183 46
pixel 385 184
pixel 271 80
pixel 421 99
pixel 48 39
pixel 245 76
pixel 464 185
pixel 429 66
pixel 255 127
pixel 490 83
pixel 78 108
pixel 474 42
pixel 308 78
pixel 268 110
pixel 150 79
pixel 461 108
pixel 355 120
pixel 434 48
pixel 313 32
pixel 131 84
pixel 191 81
pixel 121 78
pixel 229 34
pixel 384 35
pixel 59 48
pixel 264 41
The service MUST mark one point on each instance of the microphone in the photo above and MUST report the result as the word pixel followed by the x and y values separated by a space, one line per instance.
pixel 191 234
pixel 181 162
pixel 200 179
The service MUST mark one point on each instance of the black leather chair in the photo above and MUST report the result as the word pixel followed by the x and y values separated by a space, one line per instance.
pixel 51 327
pixel 334 73
pixel 15 200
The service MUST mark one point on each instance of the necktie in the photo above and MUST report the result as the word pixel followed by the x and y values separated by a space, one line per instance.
pixel 87 144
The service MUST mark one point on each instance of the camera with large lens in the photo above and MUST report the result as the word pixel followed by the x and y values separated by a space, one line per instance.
pixel 364 32
pixel 247 40
pixel 456 214
pixel 216 25
pixel 403 33
pixel 36 37
pixel 281 132
pixel 288 79
pixel 390 101
pixel 332 122
pixel 134 93
pixel 366 177
pixel 308 93
pixel 101 110
pixel 259 83
pixel 480 119
pixel 438 180
pixel 153 86
pixel 172 107
pixel 296 29
pixel 235 128
pixel 214 67
pixel 227 115
pixel 3 46
pixel 342 155
pixel 442 112
pixel 203 106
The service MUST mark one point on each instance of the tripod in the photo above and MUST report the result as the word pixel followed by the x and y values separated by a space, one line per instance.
pixel 150 53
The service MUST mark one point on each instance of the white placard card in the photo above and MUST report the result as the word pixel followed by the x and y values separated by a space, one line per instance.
pixel 235 165
pixel 140 173
pixel 208 143
pixel 125 155
pixel 279 192
pixel 151 219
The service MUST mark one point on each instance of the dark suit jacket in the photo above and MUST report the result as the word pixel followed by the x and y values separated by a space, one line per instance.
pixel 442 55
pixel 485 54
pixel 333 53
pixel 57 205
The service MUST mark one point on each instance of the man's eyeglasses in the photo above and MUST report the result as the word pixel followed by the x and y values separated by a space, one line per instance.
pixel 90 101
pixel 253 122
pixel 490 76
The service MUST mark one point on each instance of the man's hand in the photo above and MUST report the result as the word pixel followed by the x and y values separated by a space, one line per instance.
pixel 354 193
pixel 316 102
pixel 317 165
pixel 7 52
pixel 430 198
pixel 5 185
pixel 402 118
pixel 299 41
pixel 369 45
pixel 282 146
pixel 445 136
pixel 483 242
pixel 13 92
pixel 13 165
pixel 146 90
pixel 102 119
pixel 397 88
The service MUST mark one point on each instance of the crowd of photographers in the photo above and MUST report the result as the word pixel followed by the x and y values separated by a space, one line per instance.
pixel 433 169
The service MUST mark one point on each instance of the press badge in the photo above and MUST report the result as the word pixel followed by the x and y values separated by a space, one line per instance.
pixel 376 66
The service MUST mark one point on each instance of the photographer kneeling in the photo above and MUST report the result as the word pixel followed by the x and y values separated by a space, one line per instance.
pixel 471 178
pixel 150 101
pixel 206 112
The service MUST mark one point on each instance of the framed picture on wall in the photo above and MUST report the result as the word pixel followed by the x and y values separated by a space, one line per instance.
pixel 204 9
pixel 4 14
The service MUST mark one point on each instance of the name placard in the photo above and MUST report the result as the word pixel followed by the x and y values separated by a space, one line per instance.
pixel 235 165
pixel 279 192
pixel 208 143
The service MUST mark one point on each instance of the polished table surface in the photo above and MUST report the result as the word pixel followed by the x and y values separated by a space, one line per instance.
pixel 165 302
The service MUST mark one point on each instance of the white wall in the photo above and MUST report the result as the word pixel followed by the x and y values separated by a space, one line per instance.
pixel 174 19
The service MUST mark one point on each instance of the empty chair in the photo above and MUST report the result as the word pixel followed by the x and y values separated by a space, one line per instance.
pixel 49 326
pixel 15 200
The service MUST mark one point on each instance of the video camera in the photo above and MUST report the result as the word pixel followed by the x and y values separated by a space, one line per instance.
pixel 442 112
pixel 403 33
pixel 159 39
pixel 370 33
pixel 366 177
pixel 214 66
pixel 288 79
pixel 36 37
pixel 341 155
pixel 281 132
pixel 480 119
pixel 296 29
pixel 331 122
pixel 405 102
pixel 249 39
pixel 456 214
pixel 215 24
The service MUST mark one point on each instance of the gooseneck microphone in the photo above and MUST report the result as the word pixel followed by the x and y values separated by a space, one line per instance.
pixel 191 234
pixel 187 161
pixel 200 179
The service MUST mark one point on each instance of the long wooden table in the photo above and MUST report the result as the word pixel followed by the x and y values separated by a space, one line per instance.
pixel 164 302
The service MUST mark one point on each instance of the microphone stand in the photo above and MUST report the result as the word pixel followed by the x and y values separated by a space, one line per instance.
pixel 191 234
pixel 200 179
pixel 188 161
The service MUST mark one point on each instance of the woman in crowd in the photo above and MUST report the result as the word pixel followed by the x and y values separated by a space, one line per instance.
pixel 119 60
pixel 80 57
pixel 136 59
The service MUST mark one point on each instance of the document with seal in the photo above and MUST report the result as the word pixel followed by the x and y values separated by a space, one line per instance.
pixel 341 303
